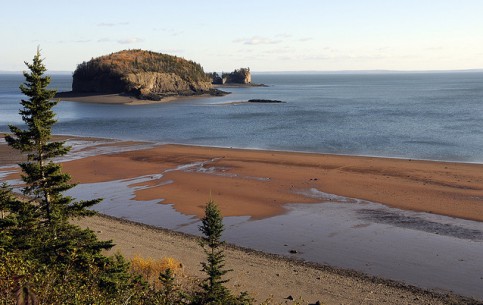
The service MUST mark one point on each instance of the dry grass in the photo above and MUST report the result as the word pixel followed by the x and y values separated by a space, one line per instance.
pixel 150 268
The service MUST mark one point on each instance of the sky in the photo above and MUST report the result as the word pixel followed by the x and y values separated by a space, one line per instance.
pixel 264 35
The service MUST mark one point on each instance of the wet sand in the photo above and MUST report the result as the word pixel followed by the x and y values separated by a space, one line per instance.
pixel 116 98
pixel 259 183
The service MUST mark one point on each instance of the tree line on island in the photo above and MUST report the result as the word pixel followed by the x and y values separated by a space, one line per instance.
pixel 45 259
pixel 150 75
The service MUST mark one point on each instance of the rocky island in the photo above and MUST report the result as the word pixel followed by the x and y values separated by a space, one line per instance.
pixel 239 77
pixel 142 75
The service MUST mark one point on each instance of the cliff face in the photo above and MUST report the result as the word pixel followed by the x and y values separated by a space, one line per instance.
pixel 102 83
pixel 239 76
pixel 141 73
pixel 163 83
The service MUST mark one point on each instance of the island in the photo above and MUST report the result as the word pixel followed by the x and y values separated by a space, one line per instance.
pixel 141 75
pixel 241 77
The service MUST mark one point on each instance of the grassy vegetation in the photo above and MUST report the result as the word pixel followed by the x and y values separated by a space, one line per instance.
pixel 150 269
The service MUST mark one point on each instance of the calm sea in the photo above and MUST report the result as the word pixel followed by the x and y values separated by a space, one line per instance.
pixel 436 116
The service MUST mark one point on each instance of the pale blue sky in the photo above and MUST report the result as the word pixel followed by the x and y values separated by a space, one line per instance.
pixel 263 35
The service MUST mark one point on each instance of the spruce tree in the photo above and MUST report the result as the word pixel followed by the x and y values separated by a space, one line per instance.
pixel 48 211
pixel 213 290
pixel 212 228
pixel 17 223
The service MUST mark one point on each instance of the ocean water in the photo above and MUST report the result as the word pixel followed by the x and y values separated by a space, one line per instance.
pixel 435 116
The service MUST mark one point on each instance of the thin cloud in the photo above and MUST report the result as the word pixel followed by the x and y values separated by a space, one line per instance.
pixel 105 39
pixel 304 39
pixel 172 51
pixel 109 24
pixel 74 41
pixel 283 35
pixel 279 50
pixel 130 40
pixel 169 31
pixel 257 40
pixel 435 48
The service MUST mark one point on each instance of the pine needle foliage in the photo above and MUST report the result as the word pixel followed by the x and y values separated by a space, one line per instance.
pixel 213 290
pixel 37 229
pixel 212 229
pixel 44 179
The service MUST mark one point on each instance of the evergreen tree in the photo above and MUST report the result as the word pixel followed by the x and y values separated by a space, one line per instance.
pixel 214 292
pixel 17 222
pixel 45 216
pixel 212 228
pixel 169 292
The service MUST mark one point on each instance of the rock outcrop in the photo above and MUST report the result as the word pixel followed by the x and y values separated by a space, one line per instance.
pixel 239 76
pixel 140 73
pixel 163 83
pixel 264 101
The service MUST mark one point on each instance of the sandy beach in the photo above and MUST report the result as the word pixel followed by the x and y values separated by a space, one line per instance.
pixel 264 276
pixel 117 98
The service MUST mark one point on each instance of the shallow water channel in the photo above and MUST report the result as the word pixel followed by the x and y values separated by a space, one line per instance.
pixel 422 249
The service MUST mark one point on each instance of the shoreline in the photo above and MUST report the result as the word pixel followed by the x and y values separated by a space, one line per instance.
pixel 63 137
pixel 317 153
pixel 264 275
pixel 258 183
pixel 120 99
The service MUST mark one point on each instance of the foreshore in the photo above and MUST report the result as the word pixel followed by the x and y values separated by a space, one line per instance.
pixel 258 184
pixel 264 276
pixel 118 98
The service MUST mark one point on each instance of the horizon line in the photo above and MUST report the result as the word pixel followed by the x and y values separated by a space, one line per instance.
pixel 346 71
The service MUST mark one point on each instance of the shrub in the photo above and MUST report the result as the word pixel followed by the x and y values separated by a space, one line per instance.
pixel 150 268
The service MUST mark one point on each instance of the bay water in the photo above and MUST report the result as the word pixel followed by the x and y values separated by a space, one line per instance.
pixel 435 116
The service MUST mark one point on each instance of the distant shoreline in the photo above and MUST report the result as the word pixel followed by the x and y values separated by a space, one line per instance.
pixel 236 85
